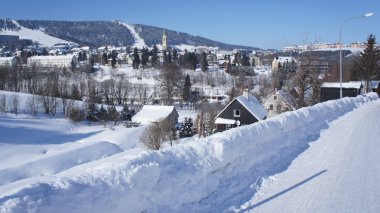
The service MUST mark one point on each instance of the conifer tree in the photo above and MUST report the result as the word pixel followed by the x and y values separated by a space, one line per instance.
pixel 369 69
pixel 204 63
pixel 169 59
pixel 105 58
pixel 113 58
pixel 186 89
pixel 187 128
pixel 245 61
pixel 175 56
pixel 154 54
pixel 136 59
pixel 144 57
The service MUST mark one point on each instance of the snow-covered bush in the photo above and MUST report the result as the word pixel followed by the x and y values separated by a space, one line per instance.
pixel 187 128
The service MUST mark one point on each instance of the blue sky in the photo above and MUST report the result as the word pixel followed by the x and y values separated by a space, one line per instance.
pixel 264 24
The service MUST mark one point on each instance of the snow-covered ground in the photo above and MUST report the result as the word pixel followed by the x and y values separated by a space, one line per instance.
pixel 109 172
pixel 340 172
pixel 34 35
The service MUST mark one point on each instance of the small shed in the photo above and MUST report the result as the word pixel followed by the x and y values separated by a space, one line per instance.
pixel 242 110
pixel 155 113
pixel 331 90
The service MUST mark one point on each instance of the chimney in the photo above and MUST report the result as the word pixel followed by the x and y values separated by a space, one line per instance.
pixel 246 94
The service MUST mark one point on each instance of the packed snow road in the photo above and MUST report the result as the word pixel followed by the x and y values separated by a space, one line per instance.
pixel 340 172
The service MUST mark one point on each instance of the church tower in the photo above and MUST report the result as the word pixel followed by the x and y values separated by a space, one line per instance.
pixel 164 42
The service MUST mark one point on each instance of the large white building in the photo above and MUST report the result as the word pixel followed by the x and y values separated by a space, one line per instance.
pixel 52 61
pixel 8 61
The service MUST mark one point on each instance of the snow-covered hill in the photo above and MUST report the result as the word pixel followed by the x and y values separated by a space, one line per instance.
pixel 102 33
pixel 37 35
pixel 214 174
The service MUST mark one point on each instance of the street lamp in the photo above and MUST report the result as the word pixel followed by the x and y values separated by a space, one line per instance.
pixel 340 46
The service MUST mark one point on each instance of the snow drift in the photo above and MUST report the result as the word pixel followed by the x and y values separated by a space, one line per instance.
pixel 208 175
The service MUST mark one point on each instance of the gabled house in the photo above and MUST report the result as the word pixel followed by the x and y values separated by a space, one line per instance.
pixel 278 102
pixel 331 90
pixel 155 113
pixel 242 110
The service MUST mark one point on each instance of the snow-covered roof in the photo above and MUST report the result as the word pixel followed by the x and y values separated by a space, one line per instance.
pixel 152 113
pixel 288 98
pixel 6 58
pixel 53 57
pixel 351 84
pixel 224 121
pixel 253 106
pixel 284 59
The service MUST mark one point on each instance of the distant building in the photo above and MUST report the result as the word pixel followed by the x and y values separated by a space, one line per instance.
pixel 8 61
pixel 242 110
pixel 278 102
pixel 52 61
pixel 281 62
pixel 331 90
pixel 164 42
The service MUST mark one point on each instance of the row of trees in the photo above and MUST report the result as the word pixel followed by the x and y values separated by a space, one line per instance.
pixel 149 58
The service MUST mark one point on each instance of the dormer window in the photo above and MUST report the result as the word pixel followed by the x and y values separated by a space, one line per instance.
pixel 236 113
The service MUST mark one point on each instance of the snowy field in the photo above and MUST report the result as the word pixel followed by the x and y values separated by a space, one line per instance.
pixel 51 165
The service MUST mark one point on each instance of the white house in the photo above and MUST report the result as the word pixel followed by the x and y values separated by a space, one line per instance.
pixel 278 102
pixel 8 61
pixel 52 61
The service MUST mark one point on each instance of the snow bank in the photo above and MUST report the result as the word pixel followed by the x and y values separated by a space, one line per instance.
pixel 53 163
pixel 208 175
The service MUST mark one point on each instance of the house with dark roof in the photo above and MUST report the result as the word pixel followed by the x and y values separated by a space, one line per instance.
pixel 278 102
pixel 242 110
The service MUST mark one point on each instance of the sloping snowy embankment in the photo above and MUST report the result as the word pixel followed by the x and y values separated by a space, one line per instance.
pixel 209 175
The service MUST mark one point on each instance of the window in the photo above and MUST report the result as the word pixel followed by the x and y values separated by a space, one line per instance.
pixel 236 113
pixel 275 97
pixel 271 107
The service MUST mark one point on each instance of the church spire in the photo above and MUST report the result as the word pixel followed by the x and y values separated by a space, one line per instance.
pixel 164 41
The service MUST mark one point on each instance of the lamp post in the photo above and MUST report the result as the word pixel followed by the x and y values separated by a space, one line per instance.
pixel 340 46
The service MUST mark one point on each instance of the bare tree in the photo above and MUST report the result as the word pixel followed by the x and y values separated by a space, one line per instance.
pixel 169 81
pixel 32 104
pixel 142 91
pixel 3 103
pixel 15 103
pixel 156 134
